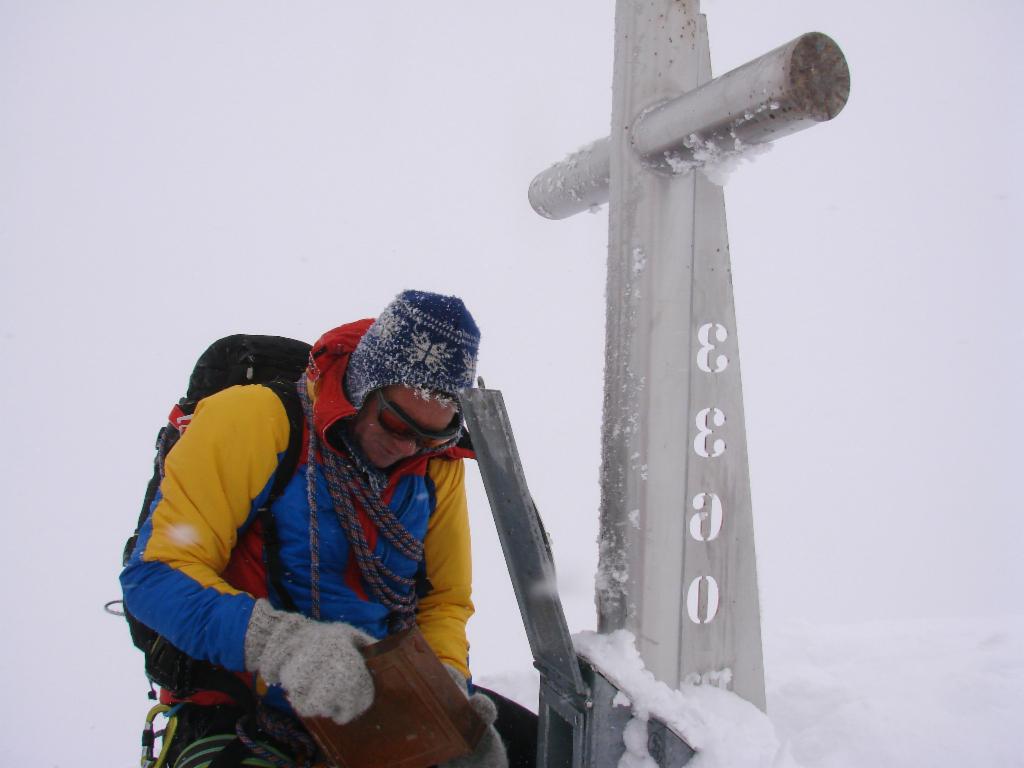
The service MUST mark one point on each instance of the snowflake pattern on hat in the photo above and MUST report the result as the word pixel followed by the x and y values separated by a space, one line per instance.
pixel 433 354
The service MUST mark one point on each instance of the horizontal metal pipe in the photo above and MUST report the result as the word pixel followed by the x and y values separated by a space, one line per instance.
pixel 575 184
pixel 791 88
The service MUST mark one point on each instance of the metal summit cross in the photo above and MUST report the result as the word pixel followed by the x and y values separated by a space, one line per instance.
pixel 677 564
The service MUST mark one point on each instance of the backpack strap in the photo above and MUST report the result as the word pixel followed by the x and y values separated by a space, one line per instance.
pixel 290 461
pixel 282 476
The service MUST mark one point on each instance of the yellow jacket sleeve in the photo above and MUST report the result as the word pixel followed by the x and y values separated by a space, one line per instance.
pixel 444 612
pixel 220 466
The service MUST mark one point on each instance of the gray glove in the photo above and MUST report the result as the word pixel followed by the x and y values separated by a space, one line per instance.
pixel 317 663
pixel 490 751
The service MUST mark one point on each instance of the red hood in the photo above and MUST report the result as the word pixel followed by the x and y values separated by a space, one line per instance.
pixel 328 361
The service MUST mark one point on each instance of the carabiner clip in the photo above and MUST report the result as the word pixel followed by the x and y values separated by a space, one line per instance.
pixel 150 734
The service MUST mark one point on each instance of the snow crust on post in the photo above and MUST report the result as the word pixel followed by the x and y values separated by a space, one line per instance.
pixel 725 730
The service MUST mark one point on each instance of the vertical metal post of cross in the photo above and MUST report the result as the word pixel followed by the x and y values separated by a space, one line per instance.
pixel 677 564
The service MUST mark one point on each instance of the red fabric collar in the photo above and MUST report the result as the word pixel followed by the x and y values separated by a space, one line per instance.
pixel 328 361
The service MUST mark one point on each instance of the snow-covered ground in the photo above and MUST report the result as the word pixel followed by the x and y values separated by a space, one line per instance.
pixel 911 693
pixel 888 694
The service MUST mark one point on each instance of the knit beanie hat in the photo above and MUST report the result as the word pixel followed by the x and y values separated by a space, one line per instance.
pixel 421 340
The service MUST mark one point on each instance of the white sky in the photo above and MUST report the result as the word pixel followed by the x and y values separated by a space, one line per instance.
pixel 170 173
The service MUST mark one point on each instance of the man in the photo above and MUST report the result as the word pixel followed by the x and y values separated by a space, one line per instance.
pixel 371 532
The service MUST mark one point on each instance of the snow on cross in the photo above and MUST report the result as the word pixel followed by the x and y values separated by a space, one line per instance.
pixel 677 566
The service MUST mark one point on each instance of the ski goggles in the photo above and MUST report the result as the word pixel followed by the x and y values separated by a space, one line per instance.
pixel 398 423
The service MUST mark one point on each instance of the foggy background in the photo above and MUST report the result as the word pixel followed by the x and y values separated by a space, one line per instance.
pixel 175 172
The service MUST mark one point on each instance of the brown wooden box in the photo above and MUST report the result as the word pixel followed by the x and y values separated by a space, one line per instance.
pixel 419 716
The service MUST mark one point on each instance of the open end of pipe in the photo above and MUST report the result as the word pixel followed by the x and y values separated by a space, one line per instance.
pixel 819 76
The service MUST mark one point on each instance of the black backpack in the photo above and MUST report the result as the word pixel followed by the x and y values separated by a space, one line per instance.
pixel 276 362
